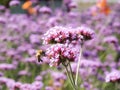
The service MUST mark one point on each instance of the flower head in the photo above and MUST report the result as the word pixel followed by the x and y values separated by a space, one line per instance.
pixel 113 76
pixel 56 34
pixel 60 53
pixel 86 32
pixel 14 2
pixel 45 10
pixel 59 34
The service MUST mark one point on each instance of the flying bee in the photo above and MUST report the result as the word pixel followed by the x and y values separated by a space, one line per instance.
pixel 39 54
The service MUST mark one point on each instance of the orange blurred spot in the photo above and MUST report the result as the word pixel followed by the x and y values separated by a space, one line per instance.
pixel 26 5
pixel 106 10
pixel 94 13
pixel 102 5
pixel 31 10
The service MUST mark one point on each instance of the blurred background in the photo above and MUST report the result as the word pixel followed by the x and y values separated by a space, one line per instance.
pixel 22 27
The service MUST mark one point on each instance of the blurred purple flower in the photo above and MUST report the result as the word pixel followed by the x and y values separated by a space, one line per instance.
pixel 34 38
pixel 45 10
pixel 3 80
pixel 5 66
pixel 2 20
pixel 17 85
pixel 37 85
pixel 72 5
pixel 14 2
pixel 25 87
pixel 57 84
pixel 86 32
pixel 24 73
pixel 58 76
pixel 110 39
pixel 38 78
pixel 113 76
pixel 2 8
pixel 90 63
pixel 49 88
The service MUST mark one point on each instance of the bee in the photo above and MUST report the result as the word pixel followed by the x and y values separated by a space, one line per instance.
pixel 39 54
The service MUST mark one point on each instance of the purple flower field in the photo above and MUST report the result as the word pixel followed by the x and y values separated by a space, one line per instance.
pixel 59 49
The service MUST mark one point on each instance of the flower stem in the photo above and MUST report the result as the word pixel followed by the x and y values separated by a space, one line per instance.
pixel 72 77
pixel 71 81
pixel 78 66
pixel 71 72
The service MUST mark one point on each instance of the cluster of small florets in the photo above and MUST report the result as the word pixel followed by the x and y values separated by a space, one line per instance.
pixel 86 32
pixel 59 53
pixel 56 34
pixel 114 76
pixel 61 34
pixel 63 37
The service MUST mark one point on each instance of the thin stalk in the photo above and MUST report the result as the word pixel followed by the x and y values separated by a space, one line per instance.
pixel 69 76
pixel 78 66
pixel 71 72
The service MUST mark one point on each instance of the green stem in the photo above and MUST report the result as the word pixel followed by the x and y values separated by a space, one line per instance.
pixel 78 66
pixel 71 72
pixel 71 81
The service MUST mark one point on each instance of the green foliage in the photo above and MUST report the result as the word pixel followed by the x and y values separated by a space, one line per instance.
pixel 109 86
pixel 5 2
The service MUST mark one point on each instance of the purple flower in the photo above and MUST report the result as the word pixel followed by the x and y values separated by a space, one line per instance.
pixel 10 84
pixel 60 53
pixel 34 38
pixel 24 72
pixel 57 84
pixel 110 39
pixel 58 76
pixel 55 34
pixel 72 5
pixel 38 78
pixel 86 32
pixel 2 20
pixel 49 88
pixel 45 10
pixel 37 85
pixel 31 52
pixel 17 85
pixel 59 34
pixel 3 80
pixel 25 87
pixel 14 2
pixel 66 1
pixel 90 63
pixel 113 76
pixel 5 66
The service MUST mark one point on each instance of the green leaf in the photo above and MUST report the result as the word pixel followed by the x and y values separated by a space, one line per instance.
pixel 109 86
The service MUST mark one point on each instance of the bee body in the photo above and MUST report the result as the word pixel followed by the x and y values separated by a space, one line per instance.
pixel 38 55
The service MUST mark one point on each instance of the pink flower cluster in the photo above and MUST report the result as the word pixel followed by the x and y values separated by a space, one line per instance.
pixel 59 34
pixel 59 53
pixel 86 32
pixel 114 76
